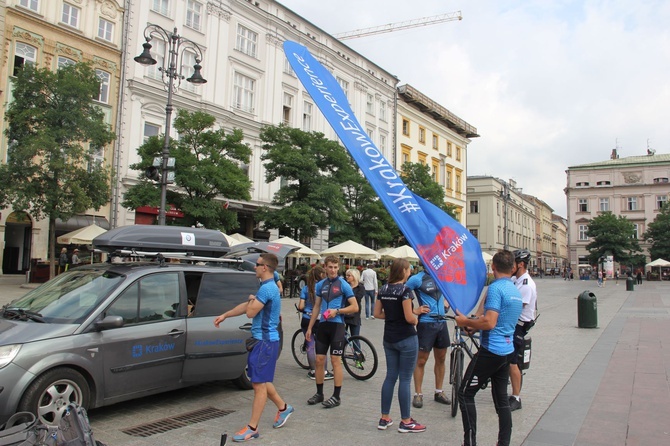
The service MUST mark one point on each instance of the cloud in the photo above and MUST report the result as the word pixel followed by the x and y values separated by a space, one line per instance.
pixel 548 84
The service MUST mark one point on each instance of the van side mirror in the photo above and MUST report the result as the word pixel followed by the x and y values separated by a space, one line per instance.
pixel 109 322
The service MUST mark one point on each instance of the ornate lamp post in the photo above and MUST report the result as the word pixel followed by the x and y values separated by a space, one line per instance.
pixel 172 76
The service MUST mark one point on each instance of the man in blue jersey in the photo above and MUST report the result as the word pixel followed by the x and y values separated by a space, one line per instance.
pixel 265 309
pixel 502 309
pixel 332 295
pixel 433 335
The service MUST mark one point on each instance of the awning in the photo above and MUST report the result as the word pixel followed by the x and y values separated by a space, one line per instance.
pixel 80 221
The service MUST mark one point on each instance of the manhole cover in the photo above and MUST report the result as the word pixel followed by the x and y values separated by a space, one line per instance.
pixel 176 422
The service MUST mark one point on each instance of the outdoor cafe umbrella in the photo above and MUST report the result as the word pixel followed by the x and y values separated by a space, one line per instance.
pixel 81 236
pixel 241 238
pixel 404 252
pixel 351 250
pixel 658 263
pixel 304 251
pixel 232 241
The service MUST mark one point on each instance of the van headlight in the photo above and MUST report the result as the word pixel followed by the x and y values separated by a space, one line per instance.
pixel 8 353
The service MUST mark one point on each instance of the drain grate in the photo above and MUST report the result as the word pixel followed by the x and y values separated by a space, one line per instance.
pixel 176 422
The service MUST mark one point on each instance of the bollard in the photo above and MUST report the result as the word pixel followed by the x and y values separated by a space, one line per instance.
pixel 587 310
pixel 630 284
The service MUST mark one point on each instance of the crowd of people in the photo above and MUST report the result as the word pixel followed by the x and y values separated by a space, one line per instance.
pixel 332 303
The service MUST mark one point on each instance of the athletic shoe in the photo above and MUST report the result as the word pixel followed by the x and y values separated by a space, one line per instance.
pixel 316 398
pixel 372 317
pixel 282 416
pixel 367 318
pixel 246 434
pixel 412 426
pixel 384 423
pixel 440 397
pixel 331 402
pixel 312 375
pixel 417 401
pixel 514 404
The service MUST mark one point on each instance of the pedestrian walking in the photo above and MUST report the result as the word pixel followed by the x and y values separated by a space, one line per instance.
pixel 265 311
pixel 369 279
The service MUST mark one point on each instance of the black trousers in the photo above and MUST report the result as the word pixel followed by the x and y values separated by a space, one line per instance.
pixel 484 366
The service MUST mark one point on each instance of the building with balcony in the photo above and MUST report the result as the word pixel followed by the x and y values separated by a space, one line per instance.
pixel 249 85
pixel 635 187
pixel 430 134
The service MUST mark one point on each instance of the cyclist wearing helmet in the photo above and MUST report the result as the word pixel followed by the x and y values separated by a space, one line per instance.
pixel 528 290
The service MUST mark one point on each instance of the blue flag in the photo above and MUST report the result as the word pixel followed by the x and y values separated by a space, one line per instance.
pixel 451 255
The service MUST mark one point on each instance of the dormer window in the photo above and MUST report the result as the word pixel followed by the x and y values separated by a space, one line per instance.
pixel 582 184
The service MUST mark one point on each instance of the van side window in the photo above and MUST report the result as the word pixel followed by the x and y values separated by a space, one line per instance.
pixel 152 298
pixel 222 292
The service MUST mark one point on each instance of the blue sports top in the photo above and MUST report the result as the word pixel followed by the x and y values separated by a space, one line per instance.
pixel 505 299
pixel 264 324
pixel 334 294
pixel 309 306
pixel 276 276
pixel 426 295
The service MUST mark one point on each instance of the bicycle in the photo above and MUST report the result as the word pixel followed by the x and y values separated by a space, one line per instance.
pixel 460 345
pixel 359 356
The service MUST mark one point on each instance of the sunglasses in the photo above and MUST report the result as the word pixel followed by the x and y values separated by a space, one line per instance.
pixel 260 264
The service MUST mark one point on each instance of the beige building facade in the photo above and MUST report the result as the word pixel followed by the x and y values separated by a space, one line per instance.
pixel 50 34
pixel 430 134
pixel 635 187
pixel 500 216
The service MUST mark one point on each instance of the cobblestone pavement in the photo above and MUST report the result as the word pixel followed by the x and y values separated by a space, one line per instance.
pixel 570 370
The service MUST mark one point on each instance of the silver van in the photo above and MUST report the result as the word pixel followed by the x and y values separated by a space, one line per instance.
pixel 104 333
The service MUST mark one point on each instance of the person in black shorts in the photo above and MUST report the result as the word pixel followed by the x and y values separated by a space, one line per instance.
pixel 332 294
pixel 433 335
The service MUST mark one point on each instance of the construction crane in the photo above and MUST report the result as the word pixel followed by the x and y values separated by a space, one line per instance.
pixel 398 26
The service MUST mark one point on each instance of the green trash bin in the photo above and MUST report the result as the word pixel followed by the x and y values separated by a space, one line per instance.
pixel 630 284
pixel 587 310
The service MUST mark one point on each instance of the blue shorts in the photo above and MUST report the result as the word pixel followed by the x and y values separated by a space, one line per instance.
pixel 262 361
pixel 432 335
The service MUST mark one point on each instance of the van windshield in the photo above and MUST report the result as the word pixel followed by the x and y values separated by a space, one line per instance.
pixel 67 299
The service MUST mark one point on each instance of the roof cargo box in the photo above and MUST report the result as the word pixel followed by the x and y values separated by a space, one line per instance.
pixel 200 242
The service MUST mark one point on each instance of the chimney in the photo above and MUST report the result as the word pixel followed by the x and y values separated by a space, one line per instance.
pixel 614 155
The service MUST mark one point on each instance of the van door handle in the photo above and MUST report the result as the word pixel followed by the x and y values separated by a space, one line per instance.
pixel 246 326
pixel 175 333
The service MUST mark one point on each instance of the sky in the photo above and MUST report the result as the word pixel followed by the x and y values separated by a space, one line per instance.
pixel 547 83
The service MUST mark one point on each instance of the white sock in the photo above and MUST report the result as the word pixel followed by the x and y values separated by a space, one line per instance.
pixel 438 390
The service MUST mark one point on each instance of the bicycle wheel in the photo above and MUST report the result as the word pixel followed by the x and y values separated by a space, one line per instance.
pixel 360 358
pixel 299 349
pixel 455 377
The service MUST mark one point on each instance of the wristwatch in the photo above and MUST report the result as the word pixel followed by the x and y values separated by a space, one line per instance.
pixel 337 311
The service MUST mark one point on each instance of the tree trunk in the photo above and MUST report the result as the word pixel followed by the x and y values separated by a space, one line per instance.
pixel 52 247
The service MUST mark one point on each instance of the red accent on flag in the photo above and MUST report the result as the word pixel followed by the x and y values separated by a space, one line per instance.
pixel 445 257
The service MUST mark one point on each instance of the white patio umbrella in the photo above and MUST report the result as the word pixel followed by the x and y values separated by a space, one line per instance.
pixel 487 257
pixel 231 240
pixel 304 251
pixel 658 262
pixel 383 252
pixel 240 238
pixel 404 252
pixel 352 250
pixel 81 236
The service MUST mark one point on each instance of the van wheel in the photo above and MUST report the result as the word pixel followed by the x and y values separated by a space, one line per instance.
pixel 243 382
pixel 49 395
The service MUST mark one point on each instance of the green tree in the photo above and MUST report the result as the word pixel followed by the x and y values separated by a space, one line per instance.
pixel 311 169
pixel 418 179
pixel 54 129
pixel 658 234
pixel 207 171
pixel 612 235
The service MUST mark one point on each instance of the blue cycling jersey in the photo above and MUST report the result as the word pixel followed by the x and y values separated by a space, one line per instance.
pixel 427 291
pixel 264 324
pixel 505 299
pixel 334 293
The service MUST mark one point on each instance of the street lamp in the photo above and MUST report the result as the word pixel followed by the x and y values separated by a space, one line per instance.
pixel 504 194
pixel 175 48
